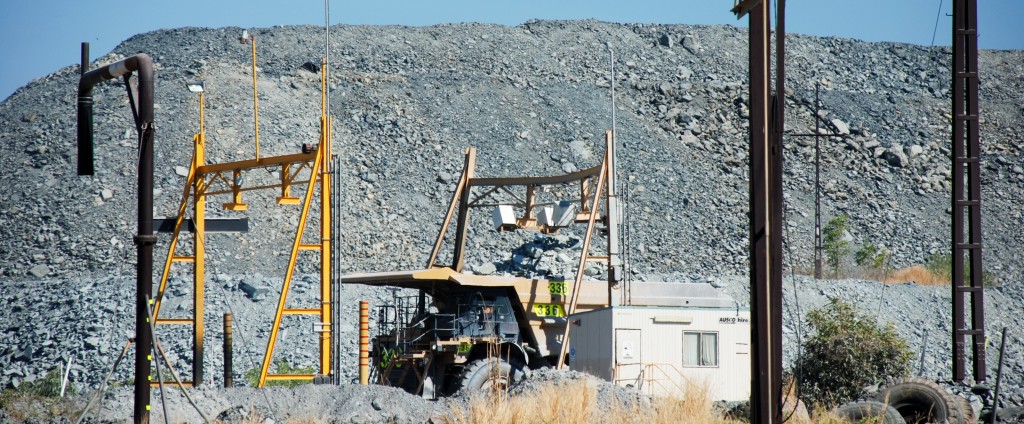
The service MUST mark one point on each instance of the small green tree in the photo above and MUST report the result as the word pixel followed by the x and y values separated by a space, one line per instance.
pixel 846 352
pixel 872 256
pixel 836 248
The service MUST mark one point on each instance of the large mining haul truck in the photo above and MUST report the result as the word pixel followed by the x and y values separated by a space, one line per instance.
pixel 468 331
pixel 454 330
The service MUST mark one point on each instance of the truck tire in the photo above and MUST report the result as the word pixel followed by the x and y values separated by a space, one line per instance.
pixel 966 412
pixel 920 400
pixel 869 409
pixel 494 373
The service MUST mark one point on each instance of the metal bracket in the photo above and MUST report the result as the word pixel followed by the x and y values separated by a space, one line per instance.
pixel 144 239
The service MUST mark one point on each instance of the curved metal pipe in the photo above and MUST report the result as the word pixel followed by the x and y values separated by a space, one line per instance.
pixel 145 239
pixel 141 63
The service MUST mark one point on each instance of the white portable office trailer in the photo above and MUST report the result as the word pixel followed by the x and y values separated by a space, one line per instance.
pixel 671 338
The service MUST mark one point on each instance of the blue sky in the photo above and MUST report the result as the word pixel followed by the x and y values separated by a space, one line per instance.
pixel 38 37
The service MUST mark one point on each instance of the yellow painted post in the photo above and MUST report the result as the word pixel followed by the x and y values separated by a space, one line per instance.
pixel 574 298
pixel 189 182
pixel 364 342
pixel 286 188
pixel 236 193
pixel 199 246
pixel 255 99
pixel 325 238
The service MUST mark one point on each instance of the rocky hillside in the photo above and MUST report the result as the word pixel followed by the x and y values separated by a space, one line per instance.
pixel 534 99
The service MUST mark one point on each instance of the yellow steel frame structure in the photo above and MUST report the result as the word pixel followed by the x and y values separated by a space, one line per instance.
pixel 226 178
pixel 594 184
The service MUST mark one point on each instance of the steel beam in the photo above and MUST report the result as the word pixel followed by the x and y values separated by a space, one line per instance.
pixel 765 222
pixel 966 152
pixel 462 225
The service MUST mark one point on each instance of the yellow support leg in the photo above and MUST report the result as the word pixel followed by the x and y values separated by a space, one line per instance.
pixel 325 251
pixel 199 284
pixel 236 191
pixel 308 199
pixel 286 188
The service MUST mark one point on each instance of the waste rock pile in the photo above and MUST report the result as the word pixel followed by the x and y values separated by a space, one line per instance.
pixel 535 100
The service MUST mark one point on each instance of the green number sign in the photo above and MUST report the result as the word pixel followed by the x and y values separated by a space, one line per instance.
pixel 556 287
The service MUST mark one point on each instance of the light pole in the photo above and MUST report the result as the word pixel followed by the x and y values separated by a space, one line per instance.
pixel 198 86
pixel 247 37
pixel 199 240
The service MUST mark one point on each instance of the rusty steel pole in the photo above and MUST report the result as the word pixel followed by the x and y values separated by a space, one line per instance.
pixel 765 217
pixel 229 374
pixel 142 109
pixel 966 192
pixel 775 207
pixel 818 248
pixel 84 67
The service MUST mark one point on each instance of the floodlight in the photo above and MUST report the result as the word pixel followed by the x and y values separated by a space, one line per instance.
pixel 196 86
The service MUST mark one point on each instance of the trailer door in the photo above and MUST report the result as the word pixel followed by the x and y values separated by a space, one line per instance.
pixel 628 365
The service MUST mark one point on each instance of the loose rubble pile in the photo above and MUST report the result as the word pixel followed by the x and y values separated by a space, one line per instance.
pixel 534 99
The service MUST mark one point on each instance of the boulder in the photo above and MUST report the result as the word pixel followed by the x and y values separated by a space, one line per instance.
pixel 691 43
pixel 896 157
pixel 39 271
pixel 841 127
pixel 255 293
pixel 665 40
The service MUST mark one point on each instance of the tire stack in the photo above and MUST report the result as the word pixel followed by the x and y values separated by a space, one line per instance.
pixel 912 400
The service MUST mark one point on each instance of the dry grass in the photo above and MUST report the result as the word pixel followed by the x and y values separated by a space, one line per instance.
pixel 29 408
pixel 918 274
pixel 578 404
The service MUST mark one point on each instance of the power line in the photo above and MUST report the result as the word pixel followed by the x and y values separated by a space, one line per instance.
pixel 936 29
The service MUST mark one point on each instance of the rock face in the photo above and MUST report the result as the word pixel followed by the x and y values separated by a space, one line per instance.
pixel 534 99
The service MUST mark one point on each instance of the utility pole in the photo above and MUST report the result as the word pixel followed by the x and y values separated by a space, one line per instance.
pixel 966 154
pixel 140 98
pixel 766 129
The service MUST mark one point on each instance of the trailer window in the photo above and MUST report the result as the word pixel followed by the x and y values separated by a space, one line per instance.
pixel 700 349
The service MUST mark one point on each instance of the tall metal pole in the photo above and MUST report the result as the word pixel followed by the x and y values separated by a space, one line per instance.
pixel 966 154
pixel 326 316
pixel 765 219
pixel 999 378
pixel 199 247
pixel 613 205
pixel 818 248
pixel 775 199
pixel 247 37
pixel 84 67
pixel 144 239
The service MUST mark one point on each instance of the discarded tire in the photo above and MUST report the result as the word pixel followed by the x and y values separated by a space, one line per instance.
pixel 488 374
pixel 964 410
pixel 922 401
pixel 869 409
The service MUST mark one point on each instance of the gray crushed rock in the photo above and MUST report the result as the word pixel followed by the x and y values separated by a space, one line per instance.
pixel 533 98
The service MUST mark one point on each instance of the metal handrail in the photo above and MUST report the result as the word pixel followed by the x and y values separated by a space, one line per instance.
pixel 647 380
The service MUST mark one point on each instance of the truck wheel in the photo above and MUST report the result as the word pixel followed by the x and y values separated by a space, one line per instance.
pixel 921 400
pixel 492 374
pixel 869 409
